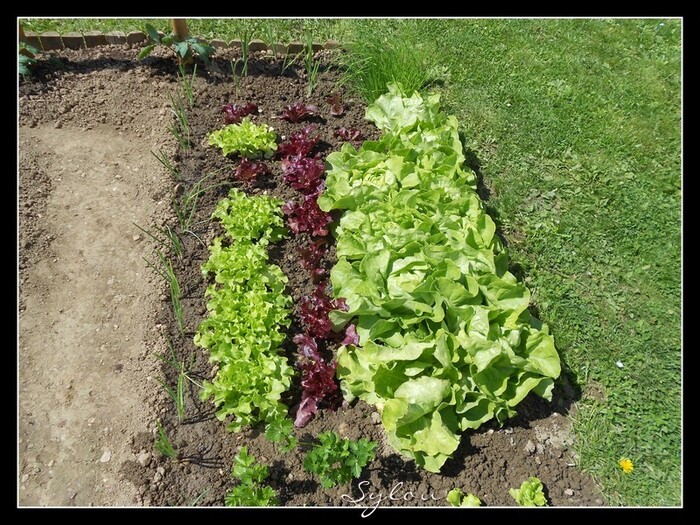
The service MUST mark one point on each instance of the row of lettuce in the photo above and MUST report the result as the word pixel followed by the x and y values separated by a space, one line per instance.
pixel 433 329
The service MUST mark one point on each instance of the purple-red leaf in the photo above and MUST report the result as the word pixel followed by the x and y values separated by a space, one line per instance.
pixel 299 144
pixel 348 133
pixel 337 106
pixel 317 379
pixel 306 216
pixel 304 173
pixel 313 313
pixel 248 169
pixel 298 111
pixel 311 257
pixel 233 113
pixel 339 304
pixel 351 337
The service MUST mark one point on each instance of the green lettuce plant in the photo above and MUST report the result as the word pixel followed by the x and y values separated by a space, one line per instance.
pixel 248 310
pixel 247 139
pixel 457 498
pixel 529 494
pixel 446 339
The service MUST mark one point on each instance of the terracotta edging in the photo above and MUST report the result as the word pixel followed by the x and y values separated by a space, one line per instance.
pixel 50 41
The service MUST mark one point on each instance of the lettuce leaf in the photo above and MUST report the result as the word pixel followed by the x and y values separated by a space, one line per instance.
pixel 247 139
pixel 444 340
pixel 248 311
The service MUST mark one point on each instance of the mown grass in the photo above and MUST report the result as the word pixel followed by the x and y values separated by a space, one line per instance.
pixel 282 30
pixel 576 128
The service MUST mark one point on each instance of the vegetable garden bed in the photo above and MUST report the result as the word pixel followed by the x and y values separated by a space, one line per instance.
pixel 488 461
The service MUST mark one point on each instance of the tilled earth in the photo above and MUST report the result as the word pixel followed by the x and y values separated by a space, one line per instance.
pixel 102 112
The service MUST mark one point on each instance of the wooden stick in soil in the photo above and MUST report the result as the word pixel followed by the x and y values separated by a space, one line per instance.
pixel 180 28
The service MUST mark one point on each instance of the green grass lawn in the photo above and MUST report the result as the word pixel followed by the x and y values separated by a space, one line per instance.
pixel 576 126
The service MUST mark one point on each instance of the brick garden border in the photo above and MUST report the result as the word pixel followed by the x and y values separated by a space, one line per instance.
pixel 50 40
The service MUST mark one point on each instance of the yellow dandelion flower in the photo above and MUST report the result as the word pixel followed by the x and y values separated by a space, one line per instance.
pixel 626 465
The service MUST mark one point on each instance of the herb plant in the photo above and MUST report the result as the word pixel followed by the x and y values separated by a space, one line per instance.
pixel 163 444
pixel 180 127
pixel 246 37
pixel 250 492
pixel 336 461
pixel 311 66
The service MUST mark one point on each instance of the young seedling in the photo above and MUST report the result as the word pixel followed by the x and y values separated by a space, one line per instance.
pixel 180 128
pixel 336 461
pixel 196 500
pixel 288 60
pixel 167 164
pixel 177 394
pixel 269 37
pixel 167 272
pixel 312 66
pixel 186 207
pixel 187 83
pixel 170 240
pixel 236 78
pixel 246 37
pixel 163 444
pixel 530 493
pixel 457 498
pixel 250 492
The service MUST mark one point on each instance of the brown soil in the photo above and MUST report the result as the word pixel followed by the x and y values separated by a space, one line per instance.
pixel 87 301
pixel 92 317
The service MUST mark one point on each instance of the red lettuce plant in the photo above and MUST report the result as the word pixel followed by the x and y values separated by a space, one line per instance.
pixel 233 113
pixel 298 111
pixel 337 106
pixel 311 258
pixel 306 216
pixel 348 133
pixel 351 336
pixel 248 169
pixel 317 378
pixel 304 173
pixel 314 310
pixel 299 144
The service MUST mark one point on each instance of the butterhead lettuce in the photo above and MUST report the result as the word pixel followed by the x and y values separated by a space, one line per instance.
pixel 446 341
